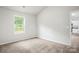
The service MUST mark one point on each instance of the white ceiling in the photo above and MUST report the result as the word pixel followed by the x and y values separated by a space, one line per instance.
pixel 27 9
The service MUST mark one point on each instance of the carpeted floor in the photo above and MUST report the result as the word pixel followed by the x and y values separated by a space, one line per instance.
pixel 36 45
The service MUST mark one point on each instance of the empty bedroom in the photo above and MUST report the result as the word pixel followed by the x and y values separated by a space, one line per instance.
pixel 38 29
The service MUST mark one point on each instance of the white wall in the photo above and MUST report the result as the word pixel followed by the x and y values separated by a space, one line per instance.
pixel 54 24
pixel 6 26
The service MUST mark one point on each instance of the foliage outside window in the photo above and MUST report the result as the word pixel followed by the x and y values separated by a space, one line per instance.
pixel 19 24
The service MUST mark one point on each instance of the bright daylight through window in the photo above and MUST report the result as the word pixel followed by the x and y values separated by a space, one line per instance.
pixel 19 24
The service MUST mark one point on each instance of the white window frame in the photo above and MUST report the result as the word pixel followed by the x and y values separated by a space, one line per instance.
pixel 15 25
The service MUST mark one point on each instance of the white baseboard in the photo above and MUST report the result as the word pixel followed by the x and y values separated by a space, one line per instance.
pixel 60 42
pixel 16 40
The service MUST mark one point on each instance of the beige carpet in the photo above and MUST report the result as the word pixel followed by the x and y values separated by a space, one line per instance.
pixel 35 45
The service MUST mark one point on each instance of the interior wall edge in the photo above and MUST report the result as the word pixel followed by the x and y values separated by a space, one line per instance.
pixel 59 42
pixel 18 40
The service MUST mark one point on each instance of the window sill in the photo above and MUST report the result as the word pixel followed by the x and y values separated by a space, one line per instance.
pixel 19 32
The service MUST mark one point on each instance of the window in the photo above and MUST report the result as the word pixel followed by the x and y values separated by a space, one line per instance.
pixel 19 24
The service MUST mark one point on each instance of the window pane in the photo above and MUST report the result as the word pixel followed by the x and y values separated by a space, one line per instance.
pixel 19 24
